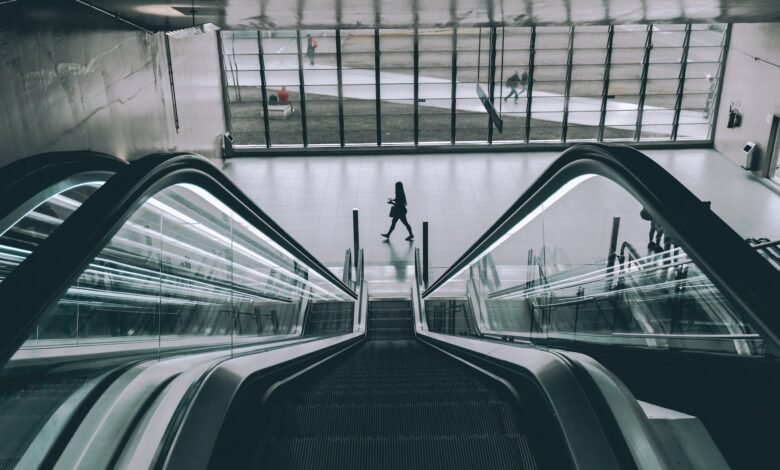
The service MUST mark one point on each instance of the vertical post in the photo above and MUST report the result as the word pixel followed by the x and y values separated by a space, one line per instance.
pixel 263 90
pixel 721 72
pixel 302 89
pixel 612 250
pixel 355 235
pixel 567 89
pixel 377 88
pixel 640 107
pixel 416 87
pixel 681 82
pixel 225 92
pixel 454 85
pixel 530 86
pixel 170 77
pixel 341 87
pixel 492 78
pixel 605 90
pixel 425 254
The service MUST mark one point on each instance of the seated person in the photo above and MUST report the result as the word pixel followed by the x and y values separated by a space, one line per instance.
pixel 284 96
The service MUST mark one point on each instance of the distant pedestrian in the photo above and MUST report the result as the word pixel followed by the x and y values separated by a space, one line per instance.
pixel 398 211
pixel 311 45
pixel 656 233
pixel 515 81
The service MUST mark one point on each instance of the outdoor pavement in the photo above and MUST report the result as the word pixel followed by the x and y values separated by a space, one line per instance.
pixel 321 79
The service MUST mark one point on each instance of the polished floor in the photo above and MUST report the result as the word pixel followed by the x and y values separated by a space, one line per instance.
pixel 460 195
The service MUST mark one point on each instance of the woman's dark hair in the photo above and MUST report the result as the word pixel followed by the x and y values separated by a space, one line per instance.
pixel 400 195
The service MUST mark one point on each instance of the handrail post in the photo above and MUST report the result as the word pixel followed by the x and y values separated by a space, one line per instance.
pixel 355 234
pixel 612 250
pixel 425 255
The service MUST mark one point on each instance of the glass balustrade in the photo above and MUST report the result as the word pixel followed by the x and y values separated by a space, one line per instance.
pixel 591 265
pixel 184 271
pixel 25 234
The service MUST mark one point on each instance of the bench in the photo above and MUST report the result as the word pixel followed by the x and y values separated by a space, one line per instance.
pixel 280 111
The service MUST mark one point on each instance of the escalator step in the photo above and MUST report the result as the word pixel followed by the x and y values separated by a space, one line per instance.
pixel 429 452
pixel 394 396
pixel 392 419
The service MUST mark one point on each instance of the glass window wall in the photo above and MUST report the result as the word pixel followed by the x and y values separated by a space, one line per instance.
pixel 623 83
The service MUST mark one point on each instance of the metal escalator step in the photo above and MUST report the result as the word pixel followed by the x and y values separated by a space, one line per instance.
pixel 391 419
pixel 411 394
pixel 428 452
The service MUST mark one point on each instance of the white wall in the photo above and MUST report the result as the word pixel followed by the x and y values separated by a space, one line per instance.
pixel 753 83
pixel 74 79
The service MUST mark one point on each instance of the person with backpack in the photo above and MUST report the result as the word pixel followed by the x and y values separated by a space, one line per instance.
pixel 311 45
pixel 513 82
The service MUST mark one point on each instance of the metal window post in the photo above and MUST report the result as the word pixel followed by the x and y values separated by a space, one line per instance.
pixel 454 85
pixel 416 87
pixel 492 79
pixel 302 89
pixel 341 87
pixel 170 78
pixel 225 92
pixel 640 107
pixel 681 82
pixel 721 72
pixel 377 88
pixel 263 90
pixel 567 89
pixel 530 86
pixel 605 89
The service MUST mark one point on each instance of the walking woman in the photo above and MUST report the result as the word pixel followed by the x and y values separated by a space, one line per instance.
pixel 398 211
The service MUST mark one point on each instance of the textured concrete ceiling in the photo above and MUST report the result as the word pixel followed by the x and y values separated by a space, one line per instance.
pixel 312 14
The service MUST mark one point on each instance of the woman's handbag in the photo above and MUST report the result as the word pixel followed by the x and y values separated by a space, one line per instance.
pixel 393 211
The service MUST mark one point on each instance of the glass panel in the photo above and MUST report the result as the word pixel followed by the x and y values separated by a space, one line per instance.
pixel 473 69
pixel 543 282
pixel 587 74
pixel 280 57
pixel 397 85
pixel 359 87
pixel 516 44
pixel 184 272
pixel 435 84
pixel 26 234
pixel 320 79
pixel 242 74
pixel 663 74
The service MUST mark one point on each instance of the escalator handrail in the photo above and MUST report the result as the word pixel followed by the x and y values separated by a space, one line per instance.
pixel 745 278
pixel 37 284
pixel 26 183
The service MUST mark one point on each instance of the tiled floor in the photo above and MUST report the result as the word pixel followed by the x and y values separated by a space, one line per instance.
pixel 460 196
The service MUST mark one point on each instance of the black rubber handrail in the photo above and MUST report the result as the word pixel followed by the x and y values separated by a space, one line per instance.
pixel 37 284
pixel 744 277
pixel 26 183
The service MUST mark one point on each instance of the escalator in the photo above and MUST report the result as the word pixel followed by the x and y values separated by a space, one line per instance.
pixel 395 403
pixel 228 345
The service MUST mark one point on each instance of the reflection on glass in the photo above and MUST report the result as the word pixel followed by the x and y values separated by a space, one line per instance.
pixel 185 271
pixel 26 234
pixel 591 265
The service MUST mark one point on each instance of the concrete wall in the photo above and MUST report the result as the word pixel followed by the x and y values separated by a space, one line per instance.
pixel 76 79
pixel 755 84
